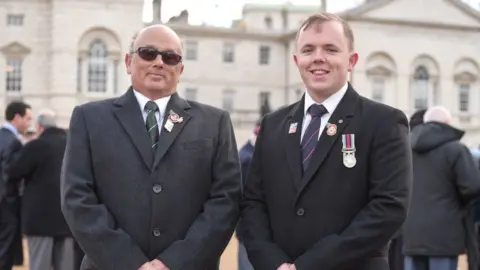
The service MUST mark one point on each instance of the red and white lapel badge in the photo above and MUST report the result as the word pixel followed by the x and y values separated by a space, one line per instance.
pixel 173 118
pixel 331 129
pixel 293 128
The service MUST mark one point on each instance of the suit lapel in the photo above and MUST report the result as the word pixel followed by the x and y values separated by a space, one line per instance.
pixel 340 117
pixel 295 118
pixel 129 114
pixel 175 105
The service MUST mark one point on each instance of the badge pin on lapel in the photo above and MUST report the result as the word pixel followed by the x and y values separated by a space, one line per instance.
pixel 173 118
pixel 293 128
pixel 348 150
pixel 331 129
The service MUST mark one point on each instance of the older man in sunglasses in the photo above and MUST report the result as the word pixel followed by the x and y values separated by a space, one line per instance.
pixel 151 180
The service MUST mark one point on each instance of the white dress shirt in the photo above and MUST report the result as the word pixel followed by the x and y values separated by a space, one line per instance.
pixel 161 103
pixel 330 104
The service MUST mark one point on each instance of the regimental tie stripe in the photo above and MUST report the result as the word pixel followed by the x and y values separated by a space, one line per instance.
pixel 348 141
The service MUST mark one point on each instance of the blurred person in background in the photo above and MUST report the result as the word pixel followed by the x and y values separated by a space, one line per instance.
pixel 446 181
pixel 245 153
pixel 50 243
pixel 19 117
pixel 395 252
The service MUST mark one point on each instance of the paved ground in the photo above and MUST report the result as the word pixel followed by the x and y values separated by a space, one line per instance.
pixel 229 259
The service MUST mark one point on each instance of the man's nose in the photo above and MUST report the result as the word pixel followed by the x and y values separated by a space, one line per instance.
pixel 158 62
pixel 319 56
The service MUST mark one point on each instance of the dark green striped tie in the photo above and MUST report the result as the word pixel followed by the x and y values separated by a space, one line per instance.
pixel 152 124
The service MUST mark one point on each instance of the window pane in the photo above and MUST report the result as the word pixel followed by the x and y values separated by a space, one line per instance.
pixel 97 67
pixel 228 99
pixel 378 89
pixel 14 75
pixel 464 94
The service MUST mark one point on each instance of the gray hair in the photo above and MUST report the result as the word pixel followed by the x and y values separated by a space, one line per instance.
pixel 437 114
pixel 46 119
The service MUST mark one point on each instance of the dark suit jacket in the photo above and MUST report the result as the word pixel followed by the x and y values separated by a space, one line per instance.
pixel 10 202
pixel 127 205
pixel 245 154
pixel 10 145
pixel 331 217
pixel 39 163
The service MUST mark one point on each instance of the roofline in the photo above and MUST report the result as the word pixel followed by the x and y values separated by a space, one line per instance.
pixel 211 31
pixel 367 7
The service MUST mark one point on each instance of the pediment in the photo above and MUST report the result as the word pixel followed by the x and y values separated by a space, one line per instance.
pixel 379 71
pixel 465 77
pixel 15 49
pixel 441 12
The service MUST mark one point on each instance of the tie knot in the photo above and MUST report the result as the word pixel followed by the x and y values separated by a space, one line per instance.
pixel 317 110
pixel 151 106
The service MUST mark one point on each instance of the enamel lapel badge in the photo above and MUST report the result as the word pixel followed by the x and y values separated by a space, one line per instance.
pixel 348 150
pixel 293 128
pixel 173 118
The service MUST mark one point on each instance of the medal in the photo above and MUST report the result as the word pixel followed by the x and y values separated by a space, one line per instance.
pixel 348 150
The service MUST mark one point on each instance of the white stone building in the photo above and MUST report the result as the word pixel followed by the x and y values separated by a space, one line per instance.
pixel 59 53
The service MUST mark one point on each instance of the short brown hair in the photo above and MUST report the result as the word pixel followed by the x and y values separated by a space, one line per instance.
pixel 320 18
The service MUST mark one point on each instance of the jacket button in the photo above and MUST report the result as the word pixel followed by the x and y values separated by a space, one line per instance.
pixel 156 232
pixel 157 188
pixel 300 212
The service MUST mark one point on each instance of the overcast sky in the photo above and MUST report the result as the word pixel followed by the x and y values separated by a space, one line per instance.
pixel 222 12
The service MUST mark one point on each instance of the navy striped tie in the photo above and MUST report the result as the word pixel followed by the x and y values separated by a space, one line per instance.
pixel 310 138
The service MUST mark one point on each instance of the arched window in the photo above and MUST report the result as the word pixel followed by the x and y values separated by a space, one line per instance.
pixel 97 67
pixel 98 63
pixel 421 84
pixel 381 72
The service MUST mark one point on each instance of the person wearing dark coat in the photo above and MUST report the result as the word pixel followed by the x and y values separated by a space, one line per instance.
pixel 50 242
pixel 245 154
pixel 395 253
pixel 19 117
pixel 446 181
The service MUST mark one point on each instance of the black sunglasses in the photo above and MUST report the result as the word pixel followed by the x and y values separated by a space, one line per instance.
pixel 150 54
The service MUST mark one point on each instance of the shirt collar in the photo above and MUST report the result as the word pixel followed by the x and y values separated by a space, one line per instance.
pixel 161 103
pixel 330 103
pixel 11 128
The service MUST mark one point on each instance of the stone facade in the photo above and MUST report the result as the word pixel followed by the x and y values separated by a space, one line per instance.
pixel 411 55
pixel 53 42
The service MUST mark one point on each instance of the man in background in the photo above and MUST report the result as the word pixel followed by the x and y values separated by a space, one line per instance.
pixel 18 116
pixel 245 153
pixel 50 242
pixel 446 181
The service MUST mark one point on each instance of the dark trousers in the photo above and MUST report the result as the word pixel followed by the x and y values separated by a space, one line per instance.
pixel 395 254
pixel 77 256
pixel 10 235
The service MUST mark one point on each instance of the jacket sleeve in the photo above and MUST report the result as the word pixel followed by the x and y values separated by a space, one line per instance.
pixel 25 161
pixel 9 155
pixel 467 175
pixel 212 230
pixel 263 252
pixel 108 246
pixel 390 178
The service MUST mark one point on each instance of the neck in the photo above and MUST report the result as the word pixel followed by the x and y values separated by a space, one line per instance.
pixel 320 96
pixel 156 94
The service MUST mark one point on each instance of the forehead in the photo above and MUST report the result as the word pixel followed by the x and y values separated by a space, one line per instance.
pixel 323 32
pixel 158 38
